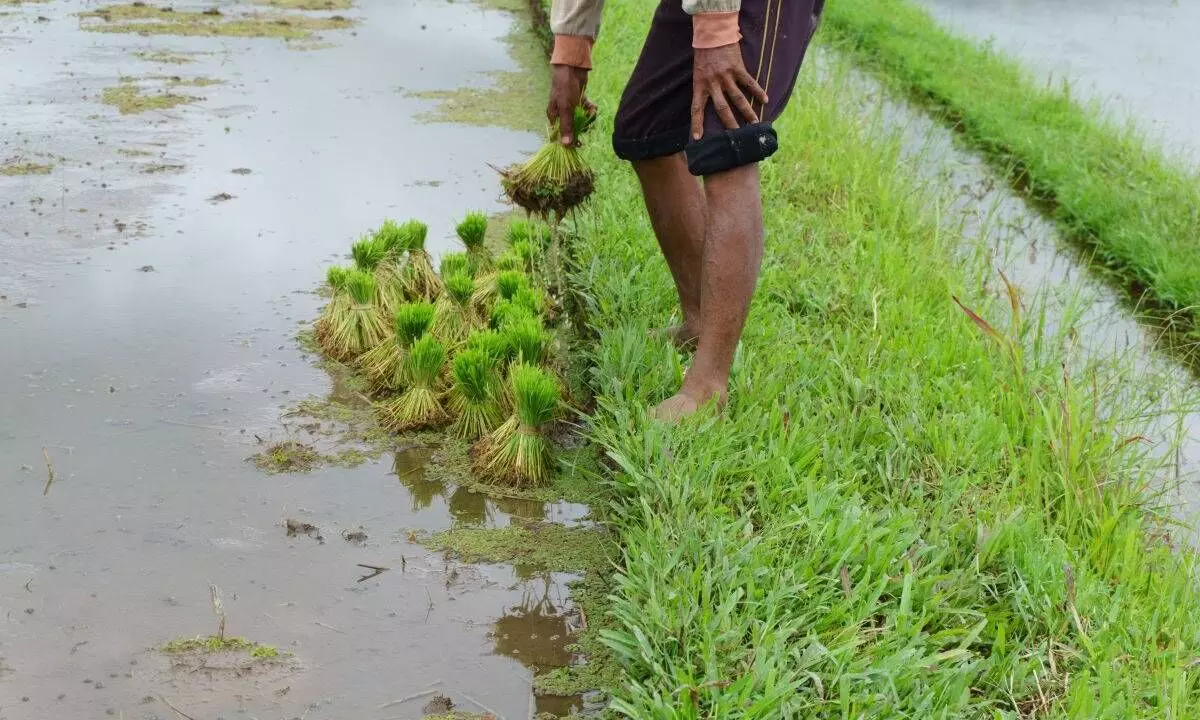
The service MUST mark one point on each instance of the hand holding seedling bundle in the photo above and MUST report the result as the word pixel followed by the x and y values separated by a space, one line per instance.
pixel 555 180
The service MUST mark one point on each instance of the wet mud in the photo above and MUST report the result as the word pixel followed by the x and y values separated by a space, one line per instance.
pixel 150 348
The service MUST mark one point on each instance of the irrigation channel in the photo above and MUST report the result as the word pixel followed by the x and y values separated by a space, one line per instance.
pixel 155 268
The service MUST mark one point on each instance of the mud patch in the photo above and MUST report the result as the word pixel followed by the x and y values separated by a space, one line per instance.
pixel 309 4
pixel 157 168
pixel 290 456
pixel 144 19
pixel 164 57
pixel 129 99
pixel 14 167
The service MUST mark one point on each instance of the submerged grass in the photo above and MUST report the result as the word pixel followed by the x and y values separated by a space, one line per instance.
pixel 15 167
pixel 906 511
pixel 1107 185
pixel 129 99
pixel 217 643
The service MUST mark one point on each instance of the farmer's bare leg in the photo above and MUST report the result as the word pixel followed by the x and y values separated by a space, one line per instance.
pixel 675 202
pixel 732 257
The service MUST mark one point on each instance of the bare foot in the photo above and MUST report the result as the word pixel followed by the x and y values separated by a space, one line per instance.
pixel 682 336
pixel 684 404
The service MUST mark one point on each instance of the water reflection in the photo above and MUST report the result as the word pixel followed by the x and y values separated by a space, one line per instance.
pixel 409 467
pixel 537 633
pixel 469 507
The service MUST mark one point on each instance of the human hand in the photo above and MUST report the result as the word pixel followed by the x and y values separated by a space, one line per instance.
pixel 719 76
pixel 567 84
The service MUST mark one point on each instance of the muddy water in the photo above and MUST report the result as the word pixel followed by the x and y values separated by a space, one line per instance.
pixel 151 297
pixel 1140 58
pixel 1159 393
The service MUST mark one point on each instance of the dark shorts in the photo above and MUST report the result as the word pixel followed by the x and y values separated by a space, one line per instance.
pixel 654 119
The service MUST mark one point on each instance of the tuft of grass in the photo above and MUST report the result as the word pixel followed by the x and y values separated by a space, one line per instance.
pixel 904 511
pixel 1106 185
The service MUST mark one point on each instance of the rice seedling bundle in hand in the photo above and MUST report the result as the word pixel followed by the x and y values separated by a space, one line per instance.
pixel 454 262
pixel 553 181
pixel 361 327
pixel 456 316
pixel 419 405
pixel 419 278
pixel 475 395
pixel 385 365
pixel 517 453
pixel 472 231
pixel 337 307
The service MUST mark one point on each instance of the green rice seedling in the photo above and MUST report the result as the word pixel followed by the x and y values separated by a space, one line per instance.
pixel 507 311
pixel 419 406
pixel 334 312
pixel 509 282
pixel 491 342
pixel 522 250
pixel 392 237
pixel 372 255
pixel 474 398
pixel 527 339
pixel 456 316
pixel 517 453
pixel 385 364
pixel 532 298
pixel 486 290
pixel 367 254
pixel 552 182
pixel 472 231
pixel 519 231
pixel 454 262
pixel 419 278
pixel 361 326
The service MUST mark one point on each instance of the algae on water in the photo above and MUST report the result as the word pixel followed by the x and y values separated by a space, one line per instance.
pixel 14 167
pixel 128 98
pixel 144 19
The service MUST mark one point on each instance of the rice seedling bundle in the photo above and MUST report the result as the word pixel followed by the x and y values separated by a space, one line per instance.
pixel 491 342
pixel 554 180
pixel 454 262
pixel 517 453
pixel 361 326
pixel 474 398
pixel 456 316
pixel 472 231
pixel 386 365
pixel 506 312
pixel 509 282
pixel 335 310
pixel 419 405
pixel 527 340
pixel 419 278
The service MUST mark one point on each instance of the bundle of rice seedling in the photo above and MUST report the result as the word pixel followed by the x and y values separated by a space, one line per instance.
pixel 419 278
pixel 509 282
pixel 367 254
pixel 474 397
pixel 472 231
pixel 456 316
pixel 419 406
pixel 554 180
pixel 519 231
pixel 334 312
pixel 485 284
pixel 522 251
pixel 393 237
pixel 454 262
pixel 385 365
pixel 508 311
pixel 532 298
pixel 527 340
pixel 361 327
pixel 518 453
pixel 491 342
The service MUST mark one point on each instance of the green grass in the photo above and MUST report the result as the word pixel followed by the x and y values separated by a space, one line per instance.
pixel 1107 186
pixel 901 514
